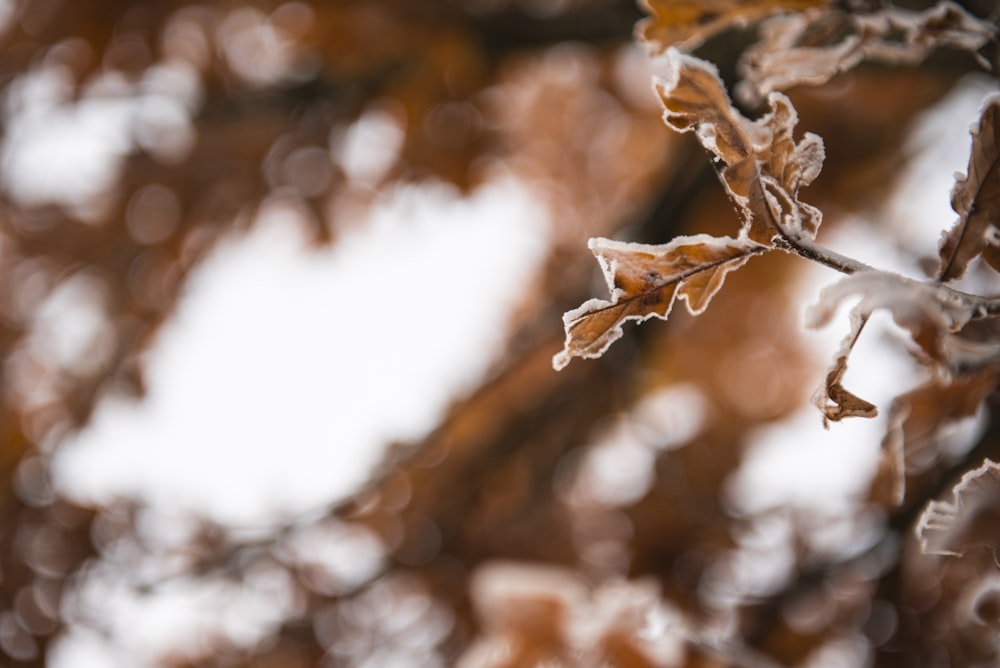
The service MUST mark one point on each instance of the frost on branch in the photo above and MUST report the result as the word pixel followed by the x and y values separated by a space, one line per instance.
pixel 763 166
pixel 686 24
pixel 644 280
pixel 969 521
pixel 795 49
pixel 976 199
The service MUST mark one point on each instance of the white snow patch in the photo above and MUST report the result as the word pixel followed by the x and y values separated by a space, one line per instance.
pixel 286 370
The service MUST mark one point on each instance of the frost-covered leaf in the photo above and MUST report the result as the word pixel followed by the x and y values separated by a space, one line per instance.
pixel 970 520
pixel 644 280
pixel 778 63
pixel 946 24
pixel 833 399
pixel 800 48
pixel 919 420
pixel 976 199
pixel 792 164
pixel 762 166
pixel 686 24
pixel 929 313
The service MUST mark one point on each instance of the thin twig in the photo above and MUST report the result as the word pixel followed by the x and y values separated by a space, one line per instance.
pixel 980 307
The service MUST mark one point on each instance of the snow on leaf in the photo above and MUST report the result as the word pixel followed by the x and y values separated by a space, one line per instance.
pixel 644 280
pixel 976 199
pixel 686 24
pixel 763 167
pixel 971 518
pixel 796 49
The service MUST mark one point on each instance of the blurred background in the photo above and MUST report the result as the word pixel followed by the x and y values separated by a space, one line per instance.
pixel 280 285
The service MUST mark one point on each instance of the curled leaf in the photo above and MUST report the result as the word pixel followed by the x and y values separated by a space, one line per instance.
pixel 799 48
pixel 685 24
pixel 928 312
pixel 976 199
pixel 836 402
pixel 946 24
pixel 762 166
pixel 968 521
pixel 930 315
pixel 779 62
pixel 644 280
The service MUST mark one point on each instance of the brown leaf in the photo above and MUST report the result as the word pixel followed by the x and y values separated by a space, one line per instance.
pixel 798 48
pixel 969 521
pixel 836 402
pixel 763 167
pixel 793 164
pixel 779 62
pixel 694 98
pixel 919 419
pixel 946 24
pixel 686 24
pixel 976 198
pixel 644 280
pixel 927 312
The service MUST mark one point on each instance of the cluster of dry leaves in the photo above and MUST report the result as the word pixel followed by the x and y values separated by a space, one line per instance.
pixel 761 167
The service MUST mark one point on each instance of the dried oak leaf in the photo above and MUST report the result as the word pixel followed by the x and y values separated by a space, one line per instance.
pixel 976 199
pixel 778 62
pixel 929 313
pixel 762 166
pixel 946 24
pixel 919 421
pixel 970 520
pixel 644 280
pixel 799 48
pixel 686 24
